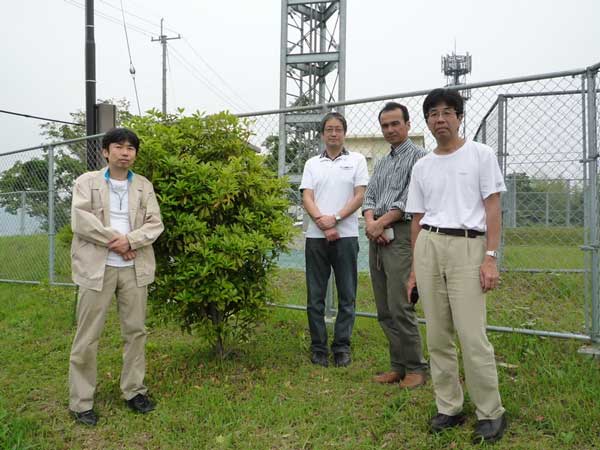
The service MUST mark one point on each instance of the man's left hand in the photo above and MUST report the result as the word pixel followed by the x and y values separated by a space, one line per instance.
pixel 325 222
pixel 488 274
pixel 119 244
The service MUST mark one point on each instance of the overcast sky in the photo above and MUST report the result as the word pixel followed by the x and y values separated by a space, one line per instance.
pixel 392 46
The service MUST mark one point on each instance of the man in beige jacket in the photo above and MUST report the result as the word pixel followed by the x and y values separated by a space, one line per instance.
pixel 115 218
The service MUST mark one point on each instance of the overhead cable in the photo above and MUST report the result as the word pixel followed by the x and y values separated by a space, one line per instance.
pixel 29 116
pixel 131 66
pixel 196 73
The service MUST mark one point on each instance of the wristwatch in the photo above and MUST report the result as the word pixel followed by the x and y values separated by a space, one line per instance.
pixel 338 218
pixel 492 253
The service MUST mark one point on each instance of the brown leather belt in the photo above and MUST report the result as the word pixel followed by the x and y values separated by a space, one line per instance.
pixel 454 231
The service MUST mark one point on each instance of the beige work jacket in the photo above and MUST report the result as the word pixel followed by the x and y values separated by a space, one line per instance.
pixel 90 222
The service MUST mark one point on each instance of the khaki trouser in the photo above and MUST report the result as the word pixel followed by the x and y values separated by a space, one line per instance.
pixel 92 307
pixel 447 270
pixel 390 266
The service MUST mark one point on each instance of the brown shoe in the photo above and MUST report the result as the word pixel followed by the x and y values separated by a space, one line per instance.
pixel 387 377
pixel 413 380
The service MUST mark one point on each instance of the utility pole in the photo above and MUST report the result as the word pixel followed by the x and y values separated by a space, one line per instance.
pixel 163 40
pixel 93 157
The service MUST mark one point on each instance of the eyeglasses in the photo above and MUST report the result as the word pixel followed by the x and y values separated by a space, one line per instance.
pixel 330 130
pixel 445 113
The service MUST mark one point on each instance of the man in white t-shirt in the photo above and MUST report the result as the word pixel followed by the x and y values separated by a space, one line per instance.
pixel 454 196
pixel 333 186
pixel 115 219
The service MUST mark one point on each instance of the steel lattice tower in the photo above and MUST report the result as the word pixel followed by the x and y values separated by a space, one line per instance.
pixel 313 65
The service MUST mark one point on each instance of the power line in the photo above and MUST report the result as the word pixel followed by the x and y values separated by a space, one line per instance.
pixel 178 56
pixel 250 107
pixel 131 67
pixel 29 116
pixel 143 19
pixel 112 19
pixel 198 75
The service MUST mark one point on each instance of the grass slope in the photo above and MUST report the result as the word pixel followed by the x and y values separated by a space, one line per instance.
pixel 268 396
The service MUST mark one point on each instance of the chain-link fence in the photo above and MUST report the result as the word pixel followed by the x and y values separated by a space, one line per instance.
pixel 541 129
pixel 544 131
pixel 35 203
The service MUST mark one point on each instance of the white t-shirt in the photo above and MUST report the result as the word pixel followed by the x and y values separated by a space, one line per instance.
pixel 119 217
pixel 450 189
pixel 333 183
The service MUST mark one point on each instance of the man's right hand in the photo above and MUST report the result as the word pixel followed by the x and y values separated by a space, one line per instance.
pixel 373 229
pixel 325 222
pixel 410 284
pixel 331 234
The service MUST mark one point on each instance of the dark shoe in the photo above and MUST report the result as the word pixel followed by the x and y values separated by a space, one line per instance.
pixel 86 417
pixel 441 422
pixel 319 359
pixel 387 377
pixel 140 404
pixel 342 359
pixel 489 430
pixel 413 380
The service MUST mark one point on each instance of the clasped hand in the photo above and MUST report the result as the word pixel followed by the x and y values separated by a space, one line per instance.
pixel 374 231
pixel 120 245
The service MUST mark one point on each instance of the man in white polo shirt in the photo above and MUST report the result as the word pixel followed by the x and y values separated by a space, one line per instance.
pixel 454 196
pixel 333 186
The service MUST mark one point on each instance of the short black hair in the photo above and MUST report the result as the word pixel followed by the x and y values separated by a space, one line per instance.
pixel 120 135
pixel 390 106
pixel 333 115
pixel 450 97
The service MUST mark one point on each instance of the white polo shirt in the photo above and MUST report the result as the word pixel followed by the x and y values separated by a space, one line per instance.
pixel 450 189
pixel 333 183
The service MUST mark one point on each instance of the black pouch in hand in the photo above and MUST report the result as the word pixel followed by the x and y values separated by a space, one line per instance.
pixel 414 295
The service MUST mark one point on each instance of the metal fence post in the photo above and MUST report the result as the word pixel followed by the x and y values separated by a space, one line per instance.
pixel 593 243
pixel 51 220
pixel 568 207
pixel 547 211
pixel 501 134
pixel 484 132
pixel 593 179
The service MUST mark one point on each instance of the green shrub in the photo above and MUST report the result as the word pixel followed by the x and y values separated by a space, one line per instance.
pixel 225 222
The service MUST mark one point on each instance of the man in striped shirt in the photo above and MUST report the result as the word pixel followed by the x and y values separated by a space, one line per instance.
pixel 390 254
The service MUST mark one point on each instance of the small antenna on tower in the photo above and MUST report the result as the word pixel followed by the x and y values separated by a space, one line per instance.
pixel 456 68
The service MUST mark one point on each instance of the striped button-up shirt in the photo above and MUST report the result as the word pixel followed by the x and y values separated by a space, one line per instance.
pixel 388 187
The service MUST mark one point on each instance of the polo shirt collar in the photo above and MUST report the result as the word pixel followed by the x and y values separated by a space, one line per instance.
pixel 344 152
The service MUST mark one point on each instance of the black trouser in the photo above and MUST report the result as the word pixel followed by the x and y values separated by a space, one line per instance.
pixel 321 256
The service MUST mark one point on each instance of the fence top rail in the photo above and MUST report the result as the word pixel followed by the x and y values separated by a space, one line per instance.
pixel 53 144
pixel 326 106
pixel 594 67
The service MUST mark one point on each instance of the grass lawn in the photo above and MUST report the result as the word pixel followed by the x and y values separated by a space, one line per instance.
pixel 268 395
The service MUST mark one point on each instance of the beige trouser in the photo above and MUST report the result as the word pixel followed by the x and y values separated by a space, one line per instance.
pixel 92 307
pixel 447 270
